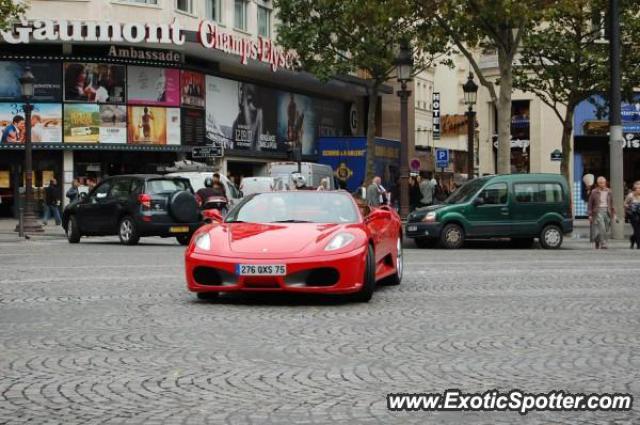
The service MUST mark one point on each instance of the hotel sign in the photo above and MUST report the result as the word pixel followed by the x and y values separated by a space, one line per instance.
pixel 209 35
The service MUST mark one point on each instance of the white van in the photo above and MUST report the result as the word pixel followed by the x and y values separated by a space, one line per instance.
pixel 196 178
pixel 251 185
pixel 312 172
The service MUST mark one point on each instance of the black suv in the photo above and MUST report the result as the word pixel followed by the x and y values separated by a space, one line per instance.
pixel 132 206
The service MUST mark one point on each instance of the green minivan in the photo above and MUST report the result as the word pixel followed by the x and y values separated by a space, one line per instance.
pixel 517 206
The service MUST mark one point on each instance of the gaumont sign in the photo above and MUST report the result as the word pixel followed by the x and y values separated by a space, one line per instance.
pixel 209 35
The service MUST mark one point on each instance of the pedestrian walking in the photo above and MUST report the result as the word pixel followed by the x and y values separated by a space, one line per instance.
pixel 52 203
pixel 73 194
pixel 427 189
pixel 414 192
pixel 632 208
pixel 601 213
pixel 374 192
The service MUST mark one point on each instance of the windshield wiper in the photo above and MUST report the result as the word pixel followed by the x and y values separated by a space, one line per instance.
pixel 292 221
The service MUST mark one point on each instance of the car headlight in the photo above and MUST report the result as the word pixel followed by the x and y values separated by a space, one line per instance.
pixel 430 217
pixel 339 241
pixel 203 241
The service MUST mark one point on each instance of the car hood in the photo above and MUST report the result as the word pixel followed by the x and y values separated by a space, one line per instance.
pixel 285 238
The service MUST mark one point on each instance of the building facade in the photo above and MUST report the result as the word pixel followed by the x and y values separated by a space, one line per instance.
pixel 131 86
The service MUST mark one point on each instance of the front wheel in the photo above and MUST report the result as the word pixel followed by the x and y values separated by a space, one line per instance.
pixel 369 284
pixel 452 236
pixel 127 231
pixel 73 231
pixel 551 237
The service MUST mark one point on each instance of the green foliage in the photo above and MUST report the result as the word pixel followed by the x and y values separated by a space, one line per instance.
pixel 10 11
pixel 334 37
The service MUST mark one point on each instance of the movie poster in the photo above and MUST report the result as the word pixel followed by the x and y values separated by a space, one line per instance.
pixel 330 117
pixel 48 85
pixel 241 116
pixel 113 124
pixel 152 125
pixel 94 82
pixel 173 126
pixel 46 123
pixel 192 89
pixel 153 86
pixel 297 123
pixel 82 123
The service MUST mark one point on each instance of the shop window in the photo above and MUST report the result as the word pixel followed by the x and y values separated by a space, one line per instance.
pixel 264 22
pixel 213 10
pixel 184 6
pixel 240 15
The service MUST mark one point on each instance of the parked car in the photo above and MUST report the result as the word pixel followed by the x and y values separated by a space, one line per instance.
pixel 251 185
pixel 134 206
pixel 196 178
pixel 312 172
pixel 517 206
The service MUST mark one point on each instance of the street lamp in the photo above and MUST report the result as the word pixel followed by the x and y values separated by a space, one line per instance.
pixel 470 89
pixel 28 218
pixel 404 68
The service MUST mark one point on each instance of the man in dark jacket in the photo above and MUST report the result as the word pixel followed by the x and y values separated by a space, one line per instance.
pixel 52 202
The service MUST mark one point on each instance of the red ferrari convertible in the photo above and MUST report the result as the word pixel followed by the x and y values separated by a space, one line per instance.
pixel 298 241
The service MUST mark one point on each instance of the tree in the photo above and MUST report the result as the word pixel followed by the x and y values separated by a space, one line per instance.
pixel 564 60
pixel 337 37
pixel 10 11
pixel 488 25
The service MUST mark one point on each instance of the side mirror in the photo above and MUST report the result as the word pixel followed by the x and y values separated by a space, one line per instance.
pixel 478 201
pixel 211 216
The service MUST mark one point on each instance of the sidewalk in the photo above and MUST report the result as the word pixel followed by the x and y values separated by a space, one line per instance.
pixel 7 233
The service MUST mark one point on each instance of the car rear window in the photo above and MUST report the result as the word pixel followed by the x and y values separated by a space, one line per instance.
pixel 538 192
pixel 157 186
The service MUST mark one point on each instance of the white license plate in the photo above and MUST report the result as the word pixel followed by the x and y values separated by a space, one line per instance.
pixel 261 269
pixel 412 228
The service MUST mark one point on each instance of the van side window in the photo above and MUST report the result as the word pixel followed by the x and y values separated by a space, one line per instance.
pixel 538 192
pixel 495 194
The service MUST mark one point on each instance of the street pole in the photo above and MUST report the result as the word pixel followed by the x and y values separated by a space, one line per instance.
pixel 30 220
pixel 404 94
pixel 470 142
pixel 615 122
pixel 299 156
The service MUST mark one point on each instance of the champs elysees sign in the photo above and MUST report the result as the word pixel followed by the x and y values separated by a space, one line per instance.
pixel 209 35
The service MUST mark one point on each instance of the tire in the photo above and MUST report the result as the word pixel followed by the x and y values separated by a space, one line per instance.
pixel 183 207
pixel 551 237
pixel 396 278
pixel 127 231
pixel 184 239
pixel 452 236
pixel 521 243
pixel 207 296
pixel 73 231
pixel 369 286
pixel 425 242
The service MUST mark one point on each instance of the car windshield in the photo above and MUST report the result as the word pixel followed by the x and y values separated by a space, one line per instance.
pixel 465 192
pixel 158 186
pixel 295 207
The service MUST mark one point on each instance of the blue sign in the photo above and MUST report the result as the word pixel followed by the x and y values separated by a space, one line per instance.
pixel 442 158
pixel 348 158
pixel 591 116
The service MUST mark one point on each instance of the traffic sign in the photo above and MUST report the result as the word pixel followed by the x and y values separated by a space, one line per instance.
pixel 442 158
pixel 415 164
pixel 212 151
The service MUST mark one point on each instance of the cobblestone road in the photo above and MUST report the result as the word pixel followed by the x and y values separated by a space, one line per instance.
pixel 101 333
